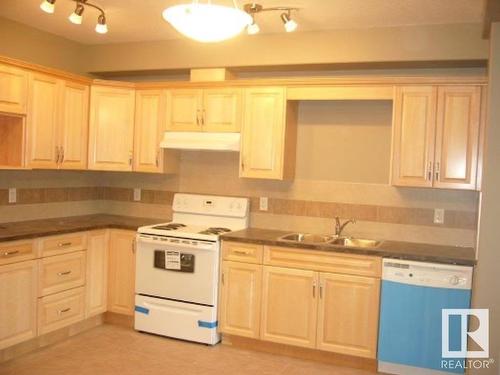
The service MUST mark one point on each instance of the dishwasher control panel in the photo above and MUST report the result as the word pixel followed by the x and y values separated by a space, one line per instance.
pixel 427 274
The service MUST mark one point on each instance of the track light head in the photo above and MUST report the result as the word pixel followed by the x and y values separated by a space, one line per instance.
pixel 253 28
pixel 48 6
pixel 77 16
pixel 101 27
pixel 290 24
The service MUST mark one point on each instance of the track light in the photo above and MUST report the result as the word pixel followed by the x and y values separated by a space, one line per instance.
pixel 77 16
pixel 101 27
pixel 253 28
pixel 48 6
pixel 290 25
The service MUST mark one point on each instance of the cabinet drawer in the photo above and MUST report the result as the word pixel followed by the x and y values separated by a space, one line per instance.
pixel 61 272
pixel 60 310
pixel 242 252
pixel 65 243
pixel 351 264
pixel 16 251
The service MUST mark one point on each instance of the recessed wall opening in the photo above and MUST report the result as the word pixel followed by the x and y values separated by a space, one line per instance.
pixel 344 140
pixel 11 141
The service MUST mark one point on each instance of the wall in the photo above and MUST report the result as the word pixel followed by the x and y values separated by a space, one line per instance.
pixel 486 293
pixel 436 43
pixel 22 42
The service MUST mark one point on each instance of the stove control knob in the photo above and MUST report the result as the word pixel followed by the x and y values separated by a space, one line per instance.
pixel 454 280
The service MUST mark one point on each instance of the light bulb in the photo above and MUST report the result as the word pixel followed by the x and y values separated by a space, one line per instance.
pixel 76 17
pixel 253 28
pixel 290 25
pixel 48 6
pixel 101 27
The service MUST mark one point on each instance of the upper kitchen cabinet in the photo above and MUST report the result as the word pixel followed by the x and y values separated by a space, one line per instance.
pixel 57 123
pixel 209 110
pixel 111 132
pixel 13 89
pixel 73 133
pixel 43 121
pixel 269 134
pixel 149 128
pixel 457 137
pixel 436 136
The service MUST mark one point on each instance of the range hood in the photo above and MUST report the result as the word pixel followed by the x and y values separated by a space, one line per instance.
pixel 201 141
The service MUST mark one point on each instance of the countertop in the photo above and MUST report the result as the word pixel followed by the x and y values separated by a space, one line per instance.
pixel 390 249
pixel 47 227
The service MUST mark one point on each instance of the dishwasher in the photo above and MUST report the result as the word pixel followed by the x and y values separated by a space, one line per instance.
pixel 413 296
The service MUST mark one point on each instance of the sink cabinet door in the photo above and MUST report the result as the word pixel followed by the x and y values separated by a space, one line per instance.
pixel 289 306
pixel 348 314
pixel 240 302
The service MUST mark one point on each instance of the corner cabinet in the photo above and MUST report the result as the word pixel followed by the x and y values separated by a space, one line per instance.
pixel 268 135
pixel 96 297
pixel 436 136
pixel 111 132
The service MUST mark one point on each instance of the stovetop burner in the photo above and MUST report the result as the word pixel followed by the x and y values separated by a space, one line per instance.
pixel 215 230
pixel 171 226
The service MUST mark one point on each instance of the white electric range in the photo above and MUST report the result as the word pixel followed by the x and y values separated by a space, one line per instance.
pixel 177 267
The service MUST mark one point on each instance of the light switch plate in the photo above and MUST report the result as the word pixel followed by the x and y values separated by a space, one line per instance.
pixel 137 195
pixel 12 195
pixel 263 203
pixel 439 216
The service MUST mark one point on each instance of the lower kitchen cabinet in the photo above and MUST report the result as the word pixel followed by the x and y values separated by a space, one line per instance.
pixel 240 299
pixel 289 306
pixel 348 314
pixel 60 310
pixel 121 279
pixel 18 299
pixel 96 297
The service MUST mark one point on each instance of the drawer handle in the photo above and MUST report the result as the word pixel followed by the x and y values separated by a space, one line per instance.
pixel 9 253
pixel 64 310
pixel 64 244
pixel 241 252
pixel 63 273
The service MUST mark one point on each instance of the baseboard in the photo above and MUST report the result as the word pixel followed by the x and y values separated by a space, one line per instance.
pixel 301 353
pixel 119 319
pixel 50 338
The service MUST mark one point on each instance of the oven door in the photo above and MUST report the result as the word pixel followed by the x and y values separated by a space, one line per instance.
pixel 179 271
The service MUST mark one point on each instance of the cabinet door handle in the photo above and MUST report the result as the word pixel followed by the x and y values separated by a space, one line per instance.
pixel 222 278
pixel 438 170
pixel 65 273
pixel 64 310
pixel 198 117
pixel 158 158
pixel 314 290
pixel 241 252
pixel 133 246
pixel 203 118
pixel 57 154
pixel 429 172
pixel 130 158
pixel 320 291
pixel 64 244
pixel 62 154
pixel 10 253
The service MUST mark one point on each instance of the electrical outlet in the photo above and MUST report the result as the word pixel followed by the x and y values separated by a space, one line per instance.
pixel 439 216
pixel 12 195
pixel 263 203
pixel 137 195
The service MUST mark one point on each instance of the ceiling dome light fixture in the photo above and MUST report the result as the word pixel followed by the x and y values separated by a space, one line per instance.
pixel 48 6
pixel 207 23
pixel 254 8
pixel 76 17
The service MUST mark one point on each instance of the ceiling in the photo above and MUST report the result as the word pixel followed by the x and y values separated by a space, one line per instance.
pixel 140 20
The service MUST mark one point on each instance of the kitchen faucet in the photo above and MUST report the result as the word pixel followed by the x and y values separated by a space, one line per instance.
pixel 339 227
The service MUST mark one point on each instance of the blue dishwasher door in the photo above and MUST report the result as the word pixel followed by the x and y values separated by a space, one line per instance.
pixel 410 324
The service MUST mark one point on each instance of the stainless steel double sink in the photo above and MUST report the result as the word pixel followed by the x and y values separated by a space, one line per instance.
pixel 316 239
